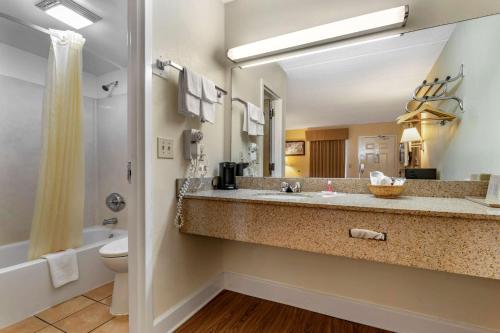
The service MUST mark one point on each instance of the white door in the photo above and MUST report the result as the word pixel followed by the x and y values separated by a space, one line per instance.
pixel 378 153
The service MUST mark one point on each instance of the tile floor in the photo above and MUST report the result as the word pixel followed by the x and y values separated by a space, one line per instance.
pixel 82 314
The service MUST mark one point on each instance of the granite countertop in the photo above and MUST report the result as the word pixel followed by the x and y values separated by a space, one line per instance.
pixel 446 207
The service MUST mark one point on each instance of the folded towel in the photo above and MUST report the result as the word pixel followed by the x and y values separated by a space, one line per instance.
pixel 208 100
pixel 261 119
pixel 189 93
pixel 63 267
pixel 366 234
pixel 207 112
pixel 252 118
pixel 260 130
pixel 209 92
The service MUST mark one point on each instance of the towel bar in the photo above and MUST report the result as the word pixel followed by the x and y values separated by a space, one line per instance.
pixel 161 64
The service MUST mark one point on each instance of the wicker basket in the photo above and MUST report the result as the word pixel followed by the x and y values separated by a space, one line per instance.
pixel 386 191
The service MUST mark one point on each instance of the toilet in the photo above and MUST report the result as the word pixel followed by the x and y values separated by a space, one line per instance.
pixel 115 256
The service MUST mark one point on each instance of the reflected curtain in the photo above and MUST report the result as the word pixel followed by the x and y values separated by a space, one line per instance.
pixel 327 159
pixel 58 215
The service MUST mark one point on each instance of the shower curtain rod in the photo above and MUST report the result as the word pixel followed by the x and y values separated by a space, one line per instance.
pixel 26 24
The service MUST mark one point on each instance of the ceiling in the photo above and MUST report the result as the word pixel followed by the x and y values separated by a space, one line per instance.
pixel 360 84
pixel 106 41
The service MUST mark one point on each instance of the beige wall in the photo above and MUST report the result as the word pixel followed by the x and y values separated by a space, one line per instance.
pixel 297 166
pixel 450 296
pixel 190 32
pixel 468 145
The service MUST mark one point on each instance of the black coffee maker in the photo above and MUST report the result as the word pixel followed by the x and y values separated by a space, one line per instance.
pixel 227 176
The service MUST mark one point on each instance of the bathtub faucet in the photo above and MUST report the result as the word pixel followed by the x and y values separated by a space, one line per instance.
pixel 112 220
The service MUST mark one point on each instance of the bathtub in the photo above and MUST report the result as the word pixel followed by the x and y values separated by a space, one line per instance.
pixel 26 288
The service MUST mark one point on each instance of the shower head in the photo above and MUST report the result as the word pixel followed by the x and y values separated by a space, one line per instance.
pixel 110 86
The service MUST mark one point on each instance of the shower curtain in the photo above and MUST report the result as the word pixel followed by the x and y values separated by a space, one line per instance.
pixel 58 216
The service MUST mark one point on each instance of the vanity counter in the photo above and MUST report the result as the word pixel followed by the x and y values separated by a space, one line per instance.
pixel 444 234
pixel 427 206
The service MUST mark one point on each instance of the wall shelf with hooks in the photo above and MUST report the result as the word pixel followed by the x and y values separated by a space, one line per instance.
pixel 436 91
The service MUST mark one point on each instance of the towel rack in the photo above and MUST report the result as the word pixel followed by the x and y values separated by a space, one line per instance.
pixel 162 64
pixel 439 94
pixel 237 99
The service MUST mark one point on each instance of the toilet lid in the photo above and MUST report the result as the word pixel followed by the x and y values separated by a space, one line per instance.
pixel 117 248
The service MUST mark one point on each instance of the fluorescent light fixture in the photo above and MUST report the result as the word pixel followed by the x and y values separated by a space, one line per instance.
pixel 411 135
pixel 312 51
pixel 351 27
pixel 69 12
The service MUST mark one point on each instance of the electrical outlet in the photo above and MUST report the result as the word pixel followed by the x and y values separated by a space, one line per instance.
pixel 165 148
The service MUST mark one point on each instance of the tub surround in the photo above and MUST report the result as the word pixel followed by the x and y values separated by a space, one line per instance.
pixel 445 234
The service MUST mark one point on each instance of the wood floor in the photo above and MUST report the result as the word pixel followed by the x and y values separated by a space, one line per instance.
pixel 237 313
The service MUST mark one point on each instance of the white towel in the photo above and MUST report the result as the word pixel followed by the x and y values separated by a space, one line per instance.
pixel 366 234
pixel 209 98
pixel 250 120
pixel 189 93
pixel 63 267
pixel 209 92
pixel 207 112
pixel 261 121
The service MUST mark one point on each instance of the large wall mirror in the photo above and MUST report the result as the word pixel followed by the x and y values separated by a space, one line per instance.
pixel 359 107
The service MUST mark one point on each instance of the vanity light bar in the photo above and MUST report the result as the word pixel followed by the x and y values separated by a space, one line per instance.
pixel 351 27
pixel 69 12
pixel 312 51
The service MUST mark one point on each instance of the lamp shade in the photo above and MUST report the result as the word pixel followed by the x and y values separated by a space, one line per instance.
pixel 410 135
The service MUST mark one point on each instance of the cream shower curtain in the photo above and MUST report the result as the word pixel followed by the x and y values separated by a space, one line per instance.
pixel 58 216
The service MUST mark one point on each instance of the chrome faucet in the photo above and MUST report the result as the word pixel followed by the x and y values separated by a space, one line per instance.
pixel 112 221
pixel 285 187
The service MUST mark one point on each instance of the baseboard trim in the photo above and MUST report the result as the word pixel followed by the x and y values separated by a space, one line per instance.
pixel 170 320
pixel 375 315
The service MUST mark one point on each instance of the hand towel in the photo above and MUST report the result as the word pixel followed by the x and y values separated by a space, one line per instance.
pixel 256 117
pixel 366 234
pixel 209 98
pixel 261 121
pixel 252 116
pixel 189 93
pixel 207 112
pixel 63 267
pixel 209 92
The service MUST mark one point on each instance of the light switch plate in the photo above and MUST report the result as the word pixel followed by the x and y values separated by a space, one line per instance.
pixel 165 148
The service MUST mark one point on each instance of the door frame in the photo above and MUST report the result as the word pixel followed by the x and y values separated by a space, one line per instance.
pixel 278 140
pixel 139 113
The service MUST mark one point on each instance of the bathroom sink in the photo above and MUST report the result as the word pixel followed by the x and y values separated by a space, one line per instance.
pixel 283 196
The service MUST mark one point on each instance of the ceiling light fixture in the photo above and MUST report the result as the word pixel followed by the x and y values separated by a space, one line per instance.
pixel 351 27
pixel 69 12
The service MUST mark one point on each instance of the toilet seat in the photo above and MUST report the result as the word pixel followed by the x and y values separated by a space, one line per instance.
pixel 115 249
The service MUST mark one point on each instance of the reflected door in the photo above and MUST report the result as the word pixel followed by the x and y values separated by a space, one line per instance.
pixel 378 153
